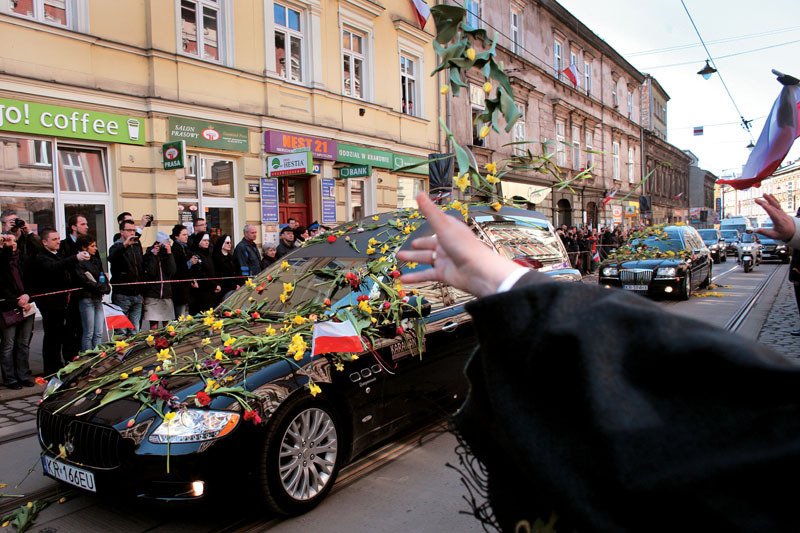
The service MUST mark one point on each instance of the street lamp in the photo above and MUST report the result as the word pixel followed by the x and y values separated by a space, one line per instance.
pixel 706 71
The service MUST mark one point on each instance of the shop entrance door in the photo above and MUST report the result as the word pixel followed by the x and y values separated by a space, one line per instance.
pixel 96 216
pixel 293 201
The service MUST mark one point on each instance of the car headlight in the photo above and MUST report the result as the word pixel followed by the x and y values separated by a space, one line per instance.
pixel 195 425
pixel 610 271
pixel 780 247
pixel 666 272
pixel 53 385
pixel 747 248
pixel 713 247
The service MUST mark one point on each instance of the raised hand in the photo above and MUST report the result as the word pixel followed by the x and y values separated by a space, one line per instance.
pixel 783 226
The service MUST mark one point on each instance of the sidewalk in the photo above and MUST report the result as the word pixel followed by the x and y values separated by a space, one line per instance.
pixel 783 318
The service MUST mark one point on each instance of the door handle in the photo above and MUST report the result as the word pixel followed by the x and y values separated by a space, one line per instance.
pixel 450 326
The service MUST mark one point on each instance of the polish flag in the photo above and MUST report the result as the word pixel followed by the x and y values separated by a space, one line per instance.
pixel 571 72
pixel 422 10
pixel 777 137
pixel 115 318
pixel 335 337
pixel 609 197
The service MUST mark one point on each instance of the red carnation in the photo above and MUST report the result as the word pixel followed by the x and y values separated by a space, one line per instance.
pixel 202 398
pixel 161 343
pixel 395 273
pixel 362 298
pixel 153 377
pixel 251 415
pixel 386 305
pixel 327 302
pixel 227 314
pixel 40 380
pixel 238 311
pixel 261 288
pixel 269 278
pixel 255 314
pixel 331 238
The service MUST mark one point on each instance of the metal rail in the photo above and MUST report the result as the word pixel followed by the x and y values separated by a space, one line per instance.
pixel 741 314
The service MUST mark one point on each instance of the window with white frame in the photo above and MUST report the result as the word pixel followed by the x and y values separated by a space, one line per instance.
pixel 614 101
pixel 516 33
pixel 55 12
pixel 615 160
pixel 473 13
pixel 407 190
pixel 353 62
pixel 630 164
pixel 477 98
pixel 576 147
pixel 520 135
pixel 561 153
pixel 288 43
pixel 587 76
pixel 589 144
pixel 408 85
pixel 630 105
pixel 206 189
pixel 201 22
pixel 557 61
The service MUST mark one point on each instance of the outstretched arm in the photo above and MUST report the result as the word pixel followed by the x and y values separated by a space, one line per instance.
pixel 784 227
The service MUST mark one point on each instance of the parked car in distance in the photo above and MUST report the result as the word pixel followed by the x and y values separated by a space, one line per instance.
pixel 774 249
pixel 750 242
pixel 267 429
pixel 715 243
pixel 731 237
pixel 668 261
pixel 740 224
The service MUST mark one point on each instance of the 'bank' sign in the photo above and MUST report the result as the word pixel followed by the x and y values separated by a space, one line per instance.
pixel 289 164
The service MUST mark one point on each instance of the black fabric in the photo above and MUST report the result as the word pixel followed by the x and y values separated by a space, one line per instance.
pixel 157 269
pixel 126 265
pixel 91 289
pixel 203 297
pixel 794 267
pixel 180 291
pixel 224 267
pixel 46 273
pixel 618 416
pixel 11 286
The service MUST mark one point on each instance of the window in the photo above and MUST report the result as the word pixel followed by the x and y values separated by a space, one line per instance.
pixel 81 170
pixel 477 98
pixel 589 144
pixel 557 66
pixel 206 190
pixel 615 160
pixel 407 190
pixel 587 77
pixel 520 136
pixel 630 164
pixel 355 199
pixel 576 147
pixel 473 13
pixel 55 12
pixel 353 58
pixel 561 155
pixel 408 86
pixel 200 22
pixel 516 34
pixel 630 105
pixel 614 101
pixel 288 43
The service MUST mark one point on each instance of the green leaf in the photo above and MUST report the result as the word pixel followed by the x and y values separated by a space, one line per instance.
pixel 509 109
pixel 462 158
pixel 455 79
pixel 72 367
pixel 499 74
pixel 476 33
pixel 447 19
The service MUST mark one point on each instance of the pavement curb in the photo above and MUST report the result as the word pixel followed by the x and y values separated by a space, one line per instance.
pixel 13 432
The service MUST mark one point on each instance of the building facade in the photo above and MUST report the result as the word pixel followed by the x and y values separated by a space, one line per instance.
pixel 90 91
pixel 702 212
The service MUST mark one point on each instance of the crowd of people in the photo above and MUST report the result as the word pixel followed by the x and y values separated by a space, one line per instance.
pixel 588 247
pixel 151 283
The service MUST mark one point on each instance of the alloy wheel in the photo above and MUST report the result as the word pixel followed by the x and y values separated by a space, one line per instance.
pixel 308 452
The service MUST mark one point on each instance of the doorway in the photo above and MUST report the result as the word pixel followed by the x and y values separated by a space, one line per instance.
pixel 96 216
pixel 293 199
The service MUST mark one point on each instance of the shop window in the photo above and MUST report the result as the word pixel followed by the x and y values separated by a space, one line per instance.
pixel 408 85
pixel 355 199
pixel 353 63
pixel 200 28
pixel 38 213
pixel 206 190
pixel 81 170
pixel 288 43
pixel 25 166
pixel 407 190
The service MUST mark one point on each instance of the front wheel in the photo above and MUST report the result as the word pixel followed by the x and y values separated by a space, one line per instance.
pixel 686 287
pixel 747 266
pixel 301 456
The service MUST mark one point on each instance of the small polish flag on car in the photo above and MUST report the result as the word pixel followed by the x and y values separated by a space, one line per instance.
pixel 115 318
pixel 335 337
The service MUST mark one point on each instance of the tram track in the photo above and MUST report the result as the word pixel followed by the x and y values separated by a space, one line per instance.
pixel 743 312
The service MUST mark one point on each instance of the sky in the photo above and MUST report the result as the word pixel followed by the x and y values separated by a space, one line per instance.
pixel 637 28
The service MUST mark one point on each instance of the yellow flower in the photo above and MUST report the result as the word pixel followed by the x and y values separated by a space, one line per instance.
pixel 218 355
pixel 339 366
pixel 170 329
pixel 270 331
pixel 285 265
pixel 487 87
pixel 415 214
pixel 208 321
pixel 376 217
pixel 283 297
pixel 230 341
pixel 210 312
pixel 150 340
pixel 470 54
pixel 496 206
pixel 120 345
pixel 373 241
pixel 491 168
pixel 382 259
pixel 163 355
pixel 411 265
pixel 462 182
pixel 491 178
pixel 137 369
pixel 384 248
pixel 364 306
pixel 217 325
pixel 124 375
pixel 299 321
pixel 374 320
pixel 370 250
pixel 484 131
pixel 455 204
pixel 354 357
pixel 205 342
pixel 408 229
pixel 444 89
pixel 288 287
pixel 313 388
pixel 169 417
pixel 249 283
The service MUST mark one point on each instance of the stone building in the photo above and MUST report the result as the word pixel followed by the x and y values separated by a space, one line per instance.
pixel 702 213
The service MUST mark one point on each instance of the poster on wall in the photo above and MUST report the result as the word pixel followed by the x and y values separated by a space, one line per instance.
pixel 328 200
pixel 269 200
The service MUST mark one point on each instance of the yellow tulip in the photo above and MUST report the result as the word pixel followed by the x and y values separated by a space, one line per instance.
pixel 470 54
pixel 487 87
pixel 444 89
pixel 484 131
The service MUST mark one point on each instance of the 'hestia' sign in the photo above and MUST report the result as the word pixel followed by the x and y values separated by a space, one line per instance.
pixel 289 164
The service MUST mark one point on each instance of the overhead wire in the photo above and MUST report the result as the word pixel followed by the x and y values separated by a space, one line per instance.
pixel 717 41
pixel 723 57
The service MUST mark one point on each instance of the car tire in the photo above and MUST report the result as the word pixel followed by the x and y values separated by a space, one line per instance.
pixel 724 257
pixel 785 260
pixel 301 456
pixel 707 281
pixel 685 291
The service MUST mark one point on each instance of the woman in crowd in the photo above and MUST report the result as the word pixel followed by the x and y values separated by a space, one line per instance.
pixel 184 259
pixel 16 328
pixel 204 292
pixel 159 266
pixel 269 257
pixel 300 236
pixel 93 281
pixel 224 266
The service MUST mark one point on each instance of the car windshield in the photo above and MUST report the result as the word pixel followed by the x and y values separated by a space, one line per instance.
pixel 708 234
pixel 672 243
pixel 516 236
pixel 767 240
pixel 730 235
pixel 749 237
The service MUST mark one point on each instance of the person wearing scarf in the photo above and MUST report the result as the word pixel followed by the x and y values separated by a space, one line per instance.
pixel 225 267
pixel 203 292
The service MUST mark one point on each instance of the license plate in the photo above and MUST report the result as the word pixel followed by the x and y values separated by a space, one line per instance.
pixel 635 287
pixel 68 473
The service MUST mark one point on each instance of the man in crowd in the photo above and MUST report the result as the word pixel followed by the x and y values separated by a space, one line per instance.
pixel 199 225
pixel 246 256
pixel 77 226
pixel 125 258
pixel 286 243
pixel 49 272
pixel 292 223
pixel 28 244
pixel 184 260
pixel 126 216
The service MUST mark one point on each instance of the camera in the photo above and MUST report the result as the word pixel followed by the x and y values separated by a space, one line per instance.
pixel 149 220
pixel 18 223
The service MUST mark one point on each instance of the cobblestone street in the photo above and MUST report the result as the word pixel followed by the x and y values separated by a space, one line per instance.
pixel 782 319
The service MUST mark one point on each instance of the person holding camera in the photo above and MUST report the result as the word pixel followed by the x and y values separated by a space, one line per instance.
pixel 16 329
pixel 28 244
pixel 49 281
pixel 159 266
pixel 93 281
pixel 146 222
pixel 125 258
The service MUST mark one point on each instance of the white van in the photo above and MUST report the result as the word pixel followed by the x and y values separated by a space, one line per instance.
pixel 742 224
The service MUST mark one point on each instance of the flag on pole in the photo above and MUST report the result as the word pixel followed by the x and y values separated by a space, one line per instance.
pixel 698 130
pixel 116 318
pixel 776 139
pixel 596 256
pixel 422 10
pixel 335 337
pixel 571 72
pixel 678 196
pixel 608 197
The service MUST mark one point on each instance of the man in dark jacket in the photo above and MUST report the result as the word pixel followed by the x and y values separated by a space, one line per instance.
pixel 15 339
pixel 286 243
pixel 125 258
pixel 77 227
pixel 184 259
pixel 49 273
pixel 246 256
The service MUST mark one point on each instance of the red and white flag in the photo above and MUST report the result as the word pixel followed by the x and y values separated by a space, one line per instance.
pixel 608 197
pixel 335 337
pixel 116 318
pixel 571 72
pixel 776 139
pixel 422 10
